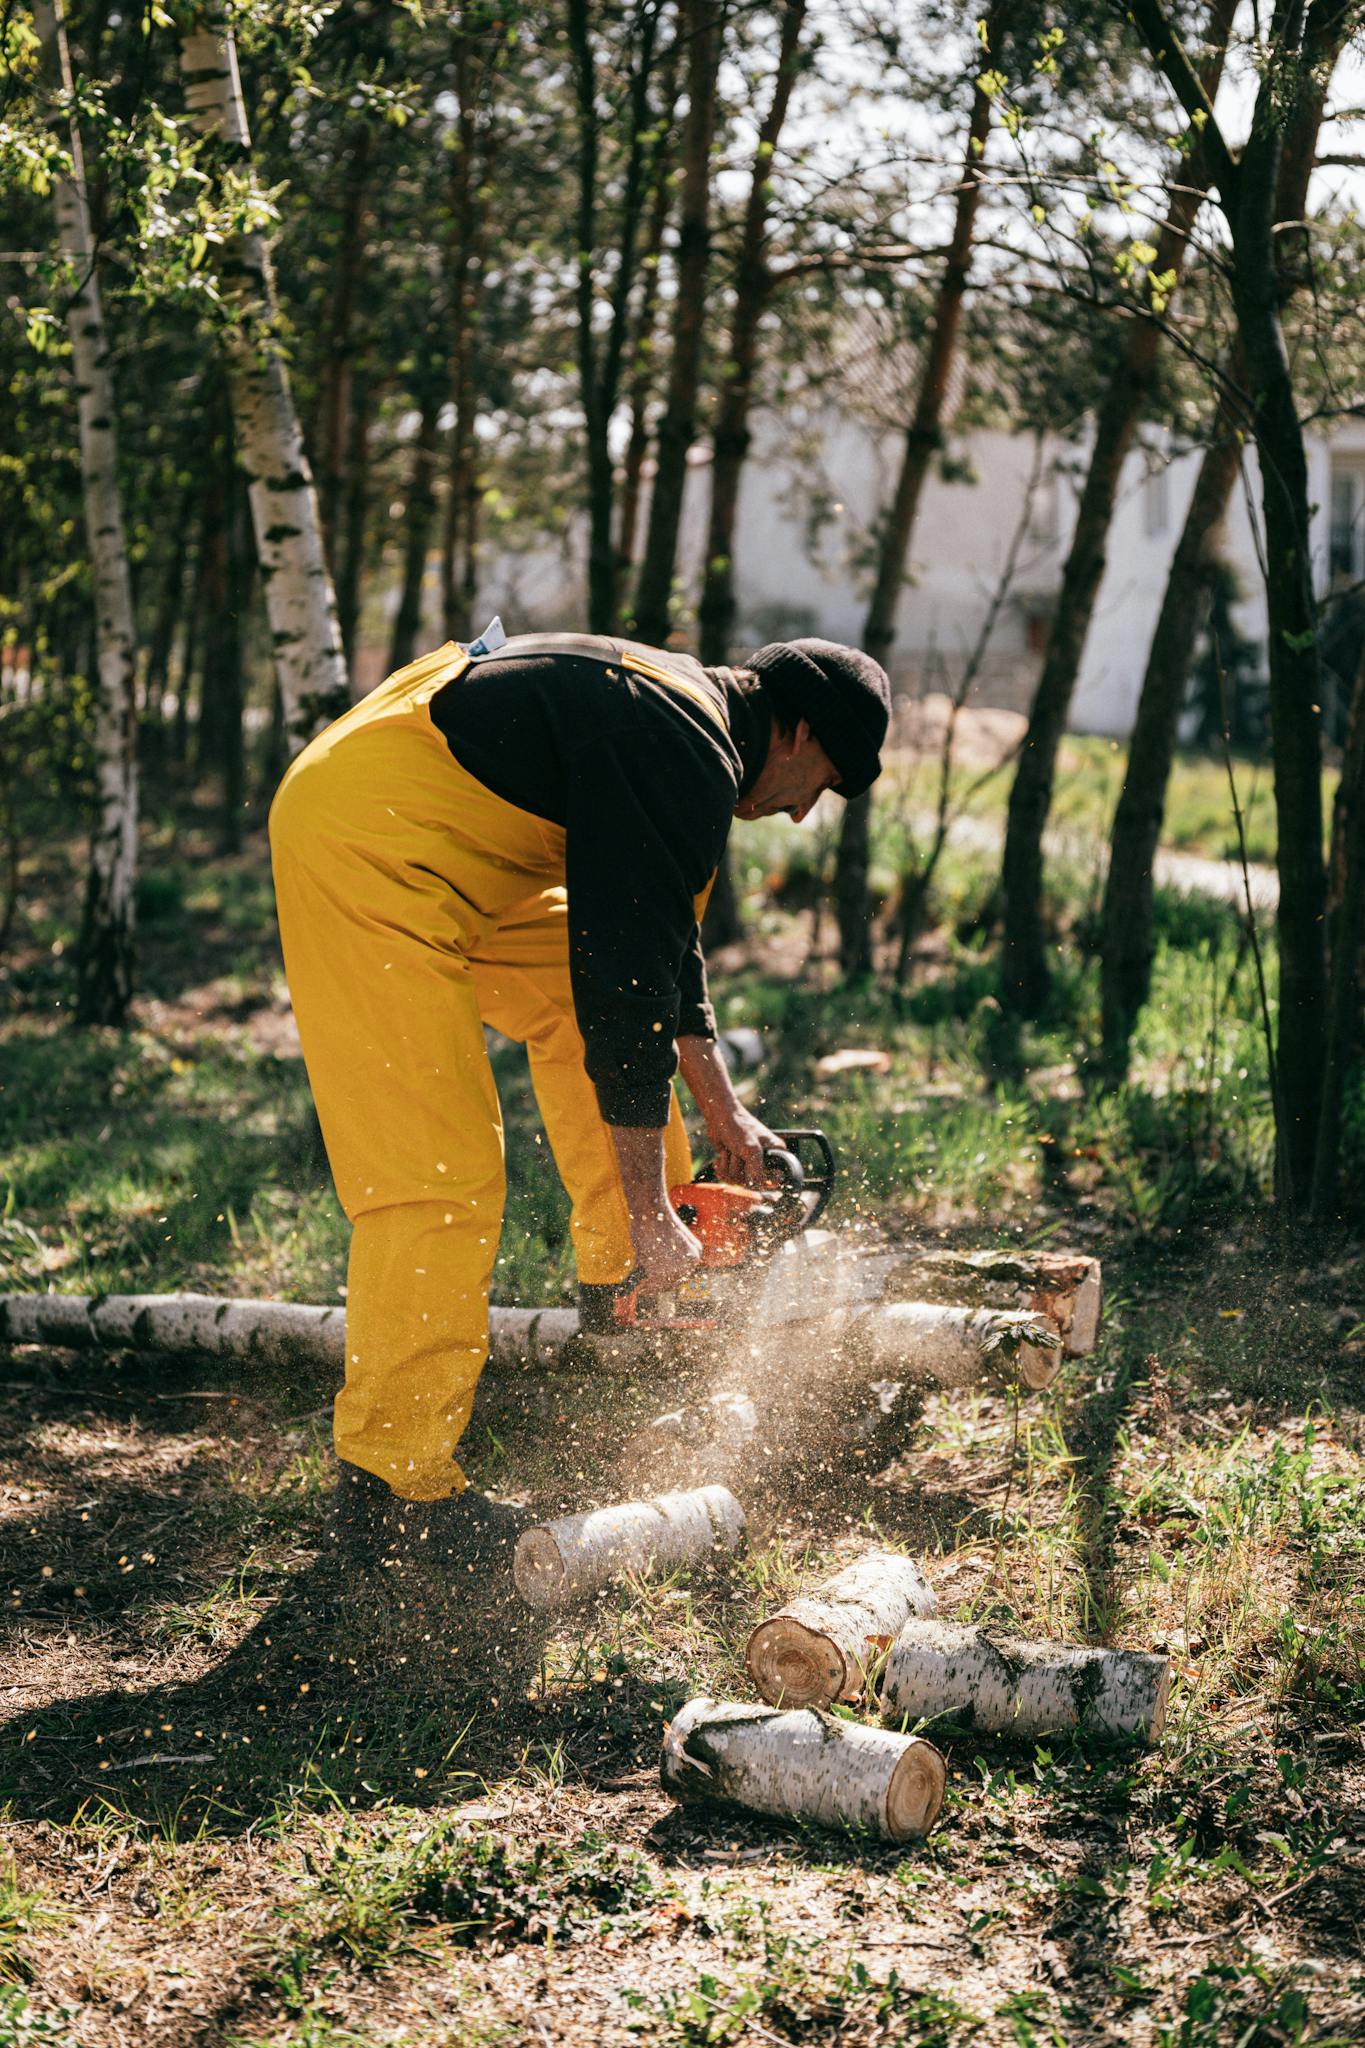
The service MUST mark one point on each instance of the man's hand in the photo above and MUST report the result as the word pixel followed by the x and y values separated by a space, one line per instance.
pixel 740 1138
pixel 740 1141
pixel 665 1249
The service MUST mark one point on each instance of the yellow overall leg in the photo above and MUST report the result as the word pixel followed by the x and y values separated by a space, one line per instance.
pixel 391 864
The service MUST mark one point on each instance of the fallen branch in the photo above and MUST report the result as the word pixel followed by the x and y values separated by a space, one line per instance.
pixel 565 1561
pixel 803 1765
pixel 820 1647
pixel 1006 1686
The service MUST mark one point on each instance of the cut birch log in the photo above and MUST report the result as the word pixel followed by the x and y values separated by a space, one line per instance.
pixel 703 1443
pixel 801 1764
pixel 959 1347
pixel 820 1647
pixel 567 1560
pixel 1064 1288
pixel 272 1332
pixel 1006 1686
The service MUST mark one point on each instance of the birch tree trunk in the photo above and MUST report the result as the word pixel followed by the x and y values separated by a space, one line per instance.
pixel 104 971
pixel 300 604
pixel 821 1647
pixel 1025 979
pixel 1064 1289
pixel 804 1765
pixel 1006 1686
pixel 923 439
pixel 702 28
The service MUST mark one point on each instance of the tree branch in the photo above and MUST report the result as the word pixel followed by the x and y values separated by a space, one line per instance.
pixel 1169 55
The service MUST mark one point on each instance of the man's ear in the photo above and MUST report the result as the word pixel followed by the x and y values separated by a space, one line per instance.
pixel 801 736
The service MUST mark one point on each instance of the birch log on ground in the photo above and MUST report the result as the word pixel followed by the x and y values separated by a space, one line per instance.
pixel 1007 1686
pixel 568 1560
pixel 801 1764
pixel 105 958
pixel 822 1646
pixel 958 1347
pixel 270 1332
pixel 300 602
pixel 1063 1288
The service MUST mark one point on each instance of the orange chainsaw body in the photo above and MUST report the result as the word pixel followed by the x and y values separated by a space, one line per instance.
pixel 736 1227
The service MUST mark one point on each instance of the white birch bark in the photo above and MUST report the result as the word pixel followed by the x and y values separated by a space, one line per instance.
pixel 299 598
pixel 274 1332
pixel 959 1347
pixel 1007 1686
pixel 568 1560
pixel 105 973
pixel 823 1646
pixel 804 1765
pixel 1064 1288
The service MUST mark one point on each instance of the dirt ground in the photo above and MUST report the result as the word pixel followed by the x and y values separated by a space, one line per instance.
pixel 247 1804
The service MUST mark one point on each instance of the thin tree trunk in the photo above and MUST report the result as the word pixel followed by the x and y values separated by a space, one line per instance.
pixel 599 369
pixel 419 517
pixel 1292 623
pixel 469 182
pixel 300 604
pixel 642 364
pixel 355 507
pixel 702 27
pixel 1346 932
pixel 339 355
pixel 104 973
pixel 1025 980
pixel 1127 942
pixel 923 439
pixel 732 437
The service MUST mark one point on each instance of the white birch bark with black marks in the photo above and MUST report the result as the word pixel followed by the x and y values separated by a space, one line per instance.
pixel 706 1442
pixel 299 598
pixel 801 1764
pixel 570 1559
pixel 824 1645
pixel 959 1347
pixel 273 1332
pixel 1004 1685
pixel 105 960
pixel 1064 1289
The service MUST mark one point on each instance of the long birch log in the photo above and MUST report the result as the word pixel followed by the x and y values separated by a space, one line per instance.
pixel 272 1332
pixel 568 1560
pixel 958 1347
pixel 1007 1686
pixel 803 1765
pixel 1065 1289
pixel 822 1646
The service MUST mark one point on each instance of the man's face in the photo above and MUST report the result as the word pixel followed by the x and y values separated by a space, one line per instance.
pixel 796 772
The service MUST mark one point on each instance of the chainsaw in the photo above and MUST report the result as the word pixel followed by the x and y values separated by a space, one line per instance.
pixel 739 1229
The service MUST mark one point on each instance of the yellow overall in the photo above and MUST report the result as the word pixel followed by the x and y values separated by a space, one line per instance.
pixel 415 907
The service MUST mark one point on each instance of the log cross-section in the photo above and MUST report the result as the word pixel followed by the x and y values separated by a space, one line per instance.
pixel 803 1765
pixel 822 1647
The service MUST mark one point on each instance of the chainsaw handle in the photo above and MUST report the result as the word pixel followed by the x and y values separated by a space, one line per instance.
pixel 815 1188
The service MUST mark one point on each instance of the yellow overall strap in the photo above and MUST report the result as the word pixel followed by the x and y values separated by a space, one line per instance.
pixel 657 674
